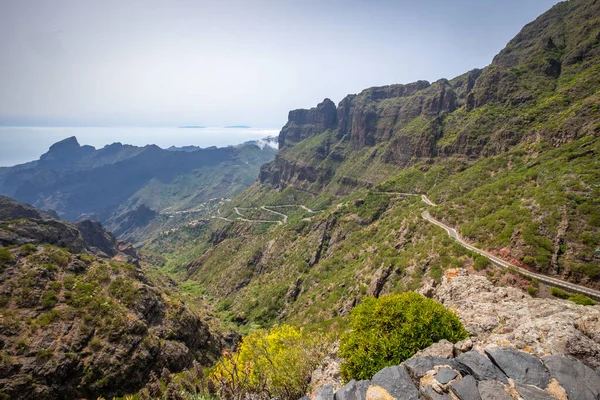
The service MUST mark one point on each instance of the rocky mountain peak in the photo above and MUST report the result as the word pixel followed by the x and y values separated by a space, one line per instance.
pixel 303 123
pixel 66 151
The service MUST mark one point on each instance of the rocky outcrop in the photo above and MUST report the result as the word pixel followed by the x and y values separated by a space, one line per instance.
pixel 404 115
pixel 75 323
pixel 22 224
pixel 507 316
pixel 97 238
pixel 520 348
pixel 11 209
pixel 493 373
pixel 65 152
pixel 419 121
pixel 303 124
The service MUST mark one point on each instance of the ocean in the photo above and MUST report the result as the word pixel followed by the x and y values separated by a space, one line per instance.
pixel 22 144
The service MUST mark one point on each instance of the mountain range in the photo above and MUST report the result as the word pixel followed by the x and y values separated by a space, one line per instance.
pixel 509 153
pixel 126 187
pixel 481 192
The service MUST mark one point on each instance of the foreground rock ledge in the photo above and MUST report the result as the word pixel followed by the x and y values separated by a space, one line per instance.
pixel 508 317
pixel 476 375
pixel 520 348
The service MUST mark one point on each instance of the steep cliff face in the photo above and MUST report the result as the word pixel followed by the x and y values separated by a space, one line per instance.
pixel 303 124
pixel 403 120
pixel 540 86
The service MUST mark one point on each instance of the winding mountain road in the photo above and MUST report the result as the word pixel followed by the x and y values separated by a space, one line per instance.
pixel 501 263
pixel 451 232
pixel 595 294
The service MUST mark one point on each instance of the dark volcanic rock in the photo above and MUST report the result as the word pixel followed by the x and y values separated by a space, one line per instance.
pixel 493 390
pixel 419 366
pixel 354 390
pixel 466 389
pixel 520 366
pixel 324 393
pixel 429 394
pixel 25 224
pixel 532 393
pixel 445 375
pixel 580 381
pixel 303 124
pixel 96 237
pixel 473 363
pixel 11 209
pixel 37 231
pixel 397 382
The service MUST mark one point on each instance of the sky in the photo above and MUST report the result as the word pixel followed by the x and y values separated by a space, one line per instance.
pixel 231 62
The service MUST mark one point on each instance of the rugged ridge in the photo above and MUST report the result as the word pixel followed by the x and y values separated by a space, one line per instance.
pixel 80 182
pixel 84 319
pixel 22 224
pixel 451 118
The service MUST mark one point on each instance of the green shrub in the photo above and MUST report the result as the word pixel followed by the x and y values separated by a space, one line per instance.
pixel 561 294
pixel 581 300
pixel 45 354
pixel 60 257
pixel 6 256
pixel 28 249
pixel 528 260
pixel 95 344
pixel 47 318
pixel 124 290
pixel 481 262
pixel 391 329
pixel 533 291
pixel 49 299
pixel 21 346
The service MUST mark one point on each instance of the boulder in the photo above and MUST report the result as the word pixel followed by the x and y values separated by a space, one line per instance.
pixel 520 366
pixel 478 365
pixel 324 393
pixel 418 367
pixel 509 317
pixel 579 381
pixel 463 346
pixel 354 390
pixel 429 394
pixel 443 348
pixel 493 390
pixel 466 389
pixel 532 393
pixel 445 375
pixel 396 382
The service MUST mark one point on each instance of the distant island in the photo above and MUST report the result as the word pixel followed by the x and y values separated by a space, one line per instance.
pixel 192 127
pixel 238 126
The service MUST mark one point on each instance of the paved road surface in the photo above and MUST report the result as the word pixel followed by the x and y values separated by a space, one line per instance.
pixel 497 261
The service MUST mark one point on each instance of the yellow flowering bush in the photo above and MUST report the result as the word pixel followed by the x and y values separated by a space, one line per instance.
pixel 270 363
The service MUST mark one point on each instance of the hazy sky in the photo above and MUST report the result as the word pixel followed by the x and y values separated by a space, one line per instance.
pixel 221 62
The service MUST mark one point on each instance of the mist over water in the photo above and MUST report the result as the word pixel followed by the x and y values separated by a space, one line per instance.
pixel 22 144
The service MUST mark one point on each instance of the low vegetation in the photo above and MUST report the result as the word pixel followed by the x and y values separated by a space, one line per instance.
pixel 274 363
pixel 576 298
pixel 391 329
